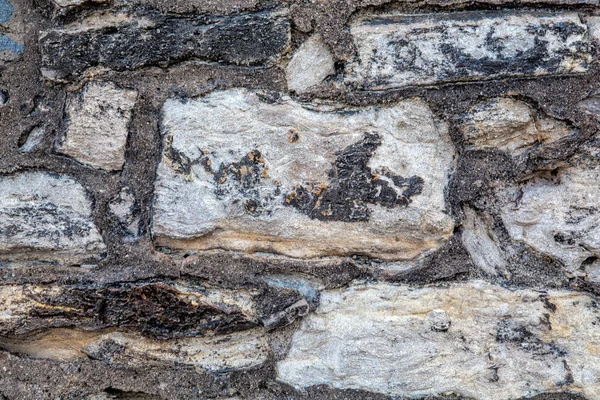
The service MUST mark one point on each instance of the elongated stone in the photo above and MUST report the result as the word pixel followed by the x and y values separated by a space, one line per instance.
pixel 46 217
pixel 473 339
pixel 160 310
pixel 220 353
pixel 120 41
pixel 217 353
pixel 408 50
pixel 259 172
pixel 560 218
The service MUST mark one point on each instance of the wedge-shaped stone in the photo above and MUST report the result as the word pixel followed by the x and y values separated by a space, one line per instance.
pixel 510 125
pixel 560 218
pixel 216 353
pixel 406 50
pixel 46 217
pixel 473 339
pixel 120 41
pixel 259 172
pixel 98 125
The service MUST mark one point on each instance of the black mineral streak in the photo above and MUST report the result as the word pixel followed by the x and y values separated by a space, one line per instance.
pixel 353 185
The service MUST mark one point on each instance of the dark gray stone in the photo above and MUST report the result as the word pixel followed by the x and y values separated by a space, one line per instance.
pixel 122 42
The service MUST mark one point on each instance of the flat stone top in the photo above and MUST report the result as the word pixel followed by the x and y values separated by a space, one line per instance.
pixel 406 50
pixel 46 217
pixel 252 171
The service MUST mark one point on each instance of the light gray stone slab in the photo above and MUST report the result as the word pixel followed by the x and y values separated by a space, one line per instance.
pixel 559 218
pixel 406 50
pixel 472 339
pixel 254 172
pixel 310 65
pixel 98 123
pixel 46 217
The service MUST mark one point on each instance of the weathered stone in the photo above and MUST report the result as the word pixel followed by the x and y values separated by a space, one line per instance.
pixel 72 3
pixel 157 309
pixel 311 64
pixel 482 244
pixel 558 218
pixel 120 41
pixel 474 339
pixel 46 217
pixel 216 354
pixel 33 140
pixel 160 310
pixel 259 172
pixel 411 50
pixel 200 6
pixel 98 122
pixel 510 125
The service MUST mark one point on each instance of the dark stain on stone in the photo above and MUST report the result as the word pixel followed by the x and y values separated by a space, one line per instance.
pixel 548 305
pixel 155 309
pixel 456 64
pixel 178 161
pixel 248 39
pixel 244 180
pixel 62 225
pixel 510 331
pixel 352 186
pixel 569 380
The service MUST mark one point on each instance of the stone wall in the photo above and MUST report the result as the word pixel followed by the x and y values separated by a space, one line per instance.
pixel 299 199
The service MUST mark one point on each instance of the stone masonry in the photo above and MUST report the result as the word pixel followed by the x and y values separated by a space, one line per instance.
pixel 300 199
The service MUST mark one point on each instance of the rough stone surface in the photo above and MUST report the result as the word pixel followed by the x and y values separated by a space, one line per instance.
pixel 409 50
pixel 510 125
pixel 237 351
pixel 98 125
pixel 559 218
pixel 301 182
pixel 299 200
pixel 311 64
pixel 45 217
pixel 473 339
pixel 201 6
pixel 120 41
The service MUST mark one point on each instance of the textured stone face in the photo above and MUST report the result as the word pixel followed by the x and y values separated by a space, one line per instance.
pixel 409 50
pixel 259 172
pixel 45 217
pixel 473 339
pixel 118 41
pixel 99 119
pixel 559 219
pixel 510 125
